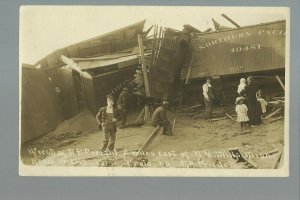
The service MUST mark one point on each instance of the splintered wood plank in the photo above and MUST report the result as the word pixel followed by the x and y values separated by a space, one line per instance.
pixel 147 89
pixel 151 138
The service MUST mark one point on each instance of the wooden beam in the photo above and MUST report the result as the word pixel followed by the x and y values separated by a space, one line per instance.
pixel 217 119
pixel 230 20
pixel 280 82
pixel 72 64
pixel 151 138
pixel 230 117
pixel 146 83
pixel 273 113
pixel 153 46
pixel 189 71
pixel 158 45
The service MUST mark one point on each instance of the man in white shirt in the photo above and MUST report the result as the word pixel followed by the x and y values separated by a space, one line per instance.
pixel 208 98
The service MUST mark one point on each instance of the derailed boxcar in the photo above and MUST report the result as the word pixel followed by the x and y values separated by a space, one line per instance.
pixel 241 50
pixel 165 73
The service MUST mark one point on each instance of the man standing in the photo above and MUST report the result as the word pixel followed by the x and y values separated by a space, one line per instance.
pixel 121 105
pixel 107 118
pixel 208 98
pixel 159 117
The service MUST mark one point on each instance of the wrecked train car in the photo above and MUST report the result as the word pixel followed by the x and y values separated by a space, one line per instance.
pixel 228 55
pixel 235 51
pixel 65 86
pixel 169 56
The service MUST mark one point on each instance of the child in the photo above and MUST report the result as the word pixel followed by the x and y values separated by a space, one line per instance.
pixel 263 103
pixel 241 110
pixel 241 87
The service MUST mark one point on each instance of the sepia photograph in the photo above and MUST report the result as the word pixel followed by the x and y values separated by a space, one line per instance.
pixel 154 91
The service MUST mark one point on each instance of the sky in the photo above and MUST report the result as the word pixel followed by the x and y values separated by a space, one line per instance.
pixel 43 29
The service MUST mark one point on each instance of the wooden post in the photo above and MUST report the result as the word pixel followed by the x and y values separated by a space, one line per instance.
pixel 158 45
pixel 153 46
pixel 189 72
pixel 146 83
pixel 280 82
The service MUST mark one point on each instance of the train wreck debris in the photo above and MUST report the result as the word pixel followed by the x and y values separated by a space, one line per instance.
pixel 216 89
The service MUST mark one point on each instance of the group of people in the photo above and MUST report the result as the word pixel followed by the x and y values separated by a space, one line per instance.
pixel 250 104
pixel 108 116
pixel 249 108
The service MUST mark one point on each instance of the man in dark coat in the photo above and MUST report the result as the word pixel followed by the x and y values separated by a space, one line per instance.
pixel 159 117
pixel 107 118
pixel 254 108
pixel 121 105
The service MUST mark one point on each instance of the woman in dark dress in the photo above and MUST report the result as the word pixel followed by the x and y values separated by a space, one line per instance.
pixel 254 109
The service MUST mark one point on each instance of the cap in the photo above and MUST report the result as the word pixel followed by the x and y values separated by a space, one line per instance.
pixel 110 97
pixel 165 103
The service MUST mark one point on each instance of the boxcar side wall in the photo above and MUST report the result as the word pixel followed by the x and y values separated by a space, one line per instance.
pixel 243 50
pixel 40 103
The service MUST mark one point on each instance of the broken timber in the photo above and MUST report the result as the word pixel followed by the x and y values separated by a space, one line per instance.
pixel 217 119
pixel 140 158
pixel 230 117
pixel 150 139
pixel 273 113
pixel 189 72
pixel 145 113
pixel 280 82
pixel 141 48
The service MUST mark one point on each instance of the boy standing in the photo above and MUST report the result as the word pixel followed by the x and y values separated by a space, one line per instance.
pixel 107 118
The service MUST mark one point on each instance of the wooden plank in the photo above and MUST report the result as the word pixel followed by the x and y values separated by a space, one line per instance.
pixel 150 139
pixel 174 122
pixel 146 83
pixel 189 71
pixel 273 113
pixel 280 82
pixel 159 44
pixel 217 119
pixel 230 117
pixel 230 20
pixel 153 46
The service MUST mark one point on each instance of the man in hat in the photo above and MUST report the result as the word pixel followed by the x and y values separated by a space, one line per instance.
pixel 159 117
pixel 208 97
pixel 121 105
pixel 107 118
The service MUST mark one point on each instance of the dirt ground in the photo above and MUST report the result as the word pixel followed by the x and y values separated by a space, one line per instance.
pixel 196 143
